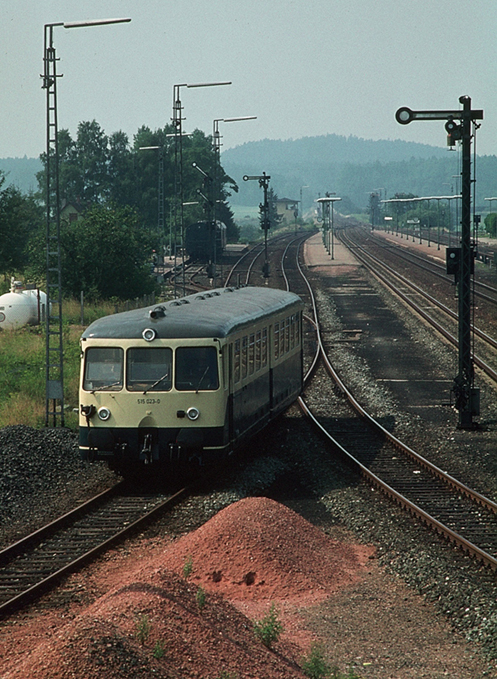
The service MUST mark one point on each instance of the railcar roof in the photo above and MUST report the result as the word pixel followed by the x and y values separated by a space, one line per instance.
pixel 216 313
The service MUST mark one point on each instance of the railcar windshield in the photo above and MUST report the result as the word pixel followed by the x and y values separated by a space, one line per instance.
pixel 149 369
pixel 196 369
pixel 103 369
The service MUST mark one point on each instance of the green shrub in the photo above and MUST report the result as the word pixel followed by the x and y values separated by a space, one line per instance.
pixel 314 665
pixel 159 650
pixel 200 597
pixel 143 629
pixel 188 568
pixel 268 629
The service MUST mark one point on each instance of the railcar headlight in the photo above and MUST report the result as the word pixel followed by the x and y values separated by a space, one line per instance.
pixel 149 334
pixel 104 414
pixel 193 414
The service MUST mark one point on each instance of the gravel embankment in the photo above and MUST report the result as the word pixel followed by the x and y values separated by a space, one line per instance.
pixel 42 477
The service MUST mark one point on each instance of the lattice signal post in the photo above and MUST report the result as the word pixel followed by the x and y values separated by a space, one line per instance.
pixel 460 261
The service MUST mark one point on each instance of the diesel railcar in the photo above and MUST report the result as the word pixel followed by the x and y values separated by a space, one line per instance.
pixel 188 381
pixel 203 242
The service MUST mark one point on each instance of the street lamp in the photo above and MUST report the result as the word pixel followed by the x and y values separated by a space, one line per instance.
pixel 216 176
pixel 490 204
pixel 177 121
pixel 54 384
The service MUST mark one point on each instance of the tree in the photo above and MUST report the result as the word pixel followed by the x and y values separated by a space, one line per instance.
pixel 96 169
pixel 491 224
pixel 106 254
pixel 19 217
pixel 274 217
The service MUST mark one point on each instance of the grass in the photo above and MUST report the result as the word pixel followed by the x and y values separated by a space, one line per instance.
pixel 22 367
pixel 188 568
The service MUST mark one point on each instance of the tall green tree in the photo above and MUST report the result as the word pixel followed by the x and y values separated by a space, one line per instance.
pixel 92 158
pixel 106 254
pixel 20 216
pixel 274 217
pixel 97 169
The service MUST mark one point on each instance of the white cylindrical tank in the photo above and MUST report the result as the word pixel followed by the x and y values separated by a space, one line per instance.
pixel 21 307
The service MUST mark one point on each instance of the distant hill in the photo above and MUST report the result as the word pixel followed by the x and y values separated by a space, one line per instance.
pixel 328 148
pixel 351 167
pixel 21 172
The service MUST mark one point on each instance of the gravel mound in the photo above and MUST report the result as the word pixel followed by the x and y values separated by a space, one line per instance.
pixel 257 549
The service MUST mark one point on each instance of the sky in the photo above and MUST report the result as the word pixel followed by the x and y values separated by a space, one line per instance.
pixel 303 67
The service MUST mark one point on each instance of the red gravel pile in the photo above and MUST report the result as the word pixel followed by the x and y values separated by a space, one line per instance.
pixel 154 623
pixel 259 550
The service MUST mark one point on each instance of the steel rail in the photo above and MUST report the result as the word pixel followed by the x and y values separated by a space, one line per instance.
pixel 35 538
pixel 410 256
pixel 454 537
pixel 426 295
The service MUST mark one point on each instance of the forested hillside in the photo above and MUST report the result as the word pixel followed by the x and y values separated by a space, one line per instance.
pixel 352 168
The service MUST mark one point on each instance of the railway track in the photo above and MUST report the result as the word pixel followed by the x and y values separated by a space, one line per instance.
pixel 33 564
pixel 483 291
pixel 436 313
pixel 462 515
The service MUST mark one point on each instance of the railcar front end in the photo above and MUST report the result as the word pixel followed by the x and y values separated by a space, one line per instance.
pixel 152 401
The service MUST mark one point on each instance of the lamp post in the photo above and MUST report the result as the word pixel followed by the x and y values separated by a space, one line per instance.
pixel 54 383
pixel 177 121
pixel 327 203
pixel 216 145
pixel 490 203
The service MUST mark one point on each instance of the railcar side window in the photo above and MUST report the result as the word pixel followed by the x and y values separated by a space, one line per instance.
pixel 264 348
pixel 251 353
pixel 276 340
pixel 244 356
pixel 103 369
pixel 149 369
pixel 258 351
pixel 236 366
pixel 287 334
pixel 196 369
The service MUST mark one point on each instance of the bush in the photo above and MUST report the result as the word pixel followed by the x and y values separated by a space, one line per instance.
pixel 268 629
pixel 315 665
